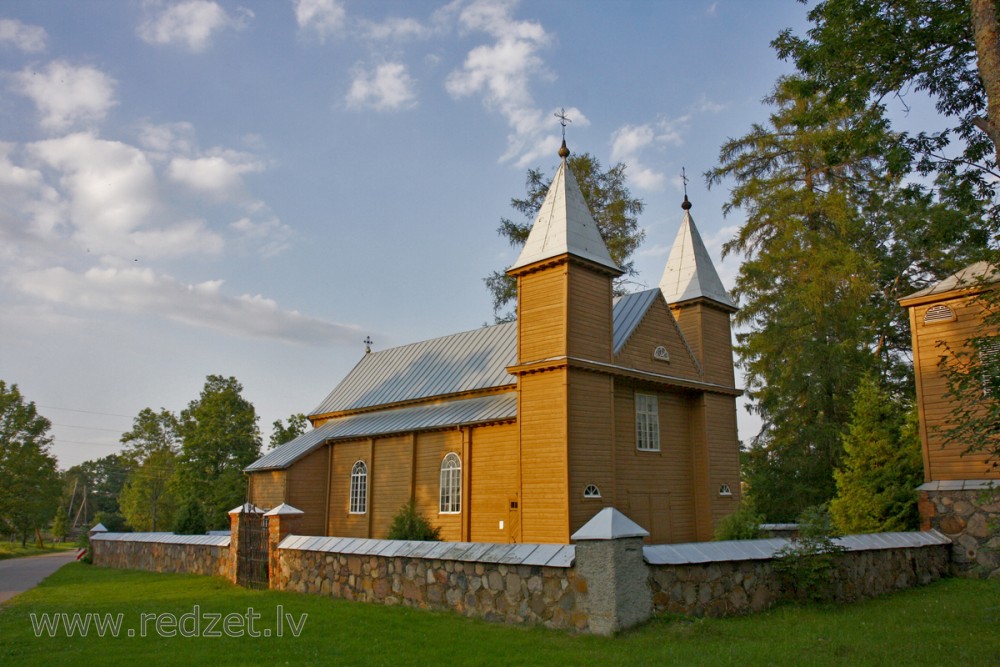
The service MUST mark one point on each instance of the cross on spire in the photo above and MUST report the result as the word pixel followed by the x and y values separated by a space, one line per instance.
pixel 563 120
pixel 686 205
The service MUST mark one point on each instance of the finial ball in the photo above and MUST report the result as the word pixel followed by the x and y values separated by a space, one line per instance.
pixel 563 151
pixel 686 205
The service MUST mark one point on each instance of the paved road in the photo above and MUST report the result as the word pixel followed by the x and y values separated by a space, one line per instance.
pixel 19 574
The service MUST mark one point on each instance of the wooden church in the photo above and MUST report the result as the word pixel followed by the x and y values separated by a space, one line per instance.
pixel 523 431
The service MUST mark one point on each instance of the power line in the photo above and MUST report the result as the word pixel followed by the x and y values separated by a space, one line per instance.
pixel 86 412
pixel 91 428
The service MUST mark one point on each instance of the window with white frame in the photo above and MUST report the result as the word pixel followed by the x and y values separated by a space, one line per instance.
pixel 647 423
pixel 359 488
pixel 591 491
pixel 451 484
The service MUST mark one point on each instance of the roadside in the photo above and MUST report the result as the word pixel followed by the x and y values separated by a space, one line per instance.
pixel 15 550
pixel 19 574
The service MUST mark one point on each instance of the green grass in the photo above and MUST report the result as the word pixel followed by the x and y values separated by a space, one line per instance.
pixel 15 550
pixel 954 621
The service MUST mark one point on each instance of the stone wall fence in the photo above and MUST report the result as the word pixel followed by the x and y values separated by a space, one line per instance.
pixel 967 511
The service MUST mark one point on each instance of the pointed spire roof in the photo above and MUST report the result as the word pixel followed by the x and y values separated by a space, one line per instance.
pixel 564 225
pixel 689 273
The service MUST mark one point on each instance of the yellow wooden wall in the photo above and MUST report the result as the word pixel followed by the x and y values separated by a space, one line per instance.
pixel 431 450
pixel 591 452
pixel 943 461
pixel 544 510
pixel 267 488
pixel 541 311
pixel 389 479
pixel 658 328
pixel 656 488
pixel 588 314
pixel 723 455
pixel 342 523
pixel 307 491
pixel 707 331
pixel 494 480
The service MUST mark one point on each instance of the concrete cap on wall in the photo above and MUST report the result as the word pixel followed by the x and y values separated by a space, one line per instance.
pixel 246 508
pixel 284 510
pixel 99 528
pixel 609 524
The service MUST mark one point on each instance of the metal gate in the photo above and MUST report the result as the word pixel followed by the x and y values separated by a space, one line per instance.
pixel 252 555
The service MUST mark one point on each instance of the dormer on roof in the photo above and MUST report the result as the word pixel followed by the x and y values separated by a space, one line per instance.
pixel 564 226
pixel 689 273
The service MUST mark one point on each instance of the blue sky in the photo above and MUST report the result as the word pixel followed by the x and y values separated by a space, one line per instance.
pixel 252 188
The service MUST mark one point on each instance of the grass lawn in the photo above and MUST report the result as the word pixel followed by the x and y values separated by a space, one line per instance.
pixel 15 550
pixel 952 622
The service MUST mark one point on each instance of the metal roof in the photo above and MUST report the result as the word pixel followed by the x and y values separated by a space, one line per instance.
pixel 401 420
pixel 709 552
pixel 546 555
pixel 165 538
pixel 564 226
pixel 690 273
pixel 461 362
pixel 970 276
pixel 628 313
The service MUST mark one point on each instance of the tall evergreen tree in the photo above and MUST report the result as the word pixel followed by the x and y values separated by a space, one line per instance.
pixel 882 465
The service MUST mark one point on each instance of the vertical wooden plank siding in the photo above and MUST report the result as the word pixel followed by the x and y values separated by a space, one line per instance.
pixel 698 418
pixel 723 455
pixel 493 480
pixel 306 482
pixel 945 460
pixel 544 509
pixel 658 328
pixel 267 488
pixel 588 315
pixel 342 522
pixel 541 314
pixel 431 450
pixel 918 377
pixel 707 331
pixel 389 477
pixel 591 444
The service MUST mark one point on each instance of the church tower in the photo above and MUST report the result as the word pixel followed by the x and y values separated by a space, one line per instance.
pixel 702 308
pixel 564 319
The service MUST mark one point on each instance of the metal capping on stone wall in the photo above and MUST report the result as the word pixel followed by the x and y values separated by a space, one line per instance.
pixel 164 538
pixel 545 555
pixel 709 552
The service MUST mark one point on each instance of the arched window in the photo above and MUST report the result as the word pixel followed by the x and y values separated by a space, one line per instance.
pixel 724 490
pixel 939 313
pixel 451 484
pixel 359 488
pixel 591 491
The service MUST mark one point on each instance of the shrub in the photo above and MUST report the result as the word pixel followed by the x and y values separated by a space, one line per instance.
pixel 191 519
pixel 806 565
pixel 410 524
pixel 743 524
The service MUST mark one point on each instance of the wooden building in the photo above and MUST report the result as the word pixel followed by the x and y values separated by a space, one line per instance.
pixel 942 318
pixel 523 431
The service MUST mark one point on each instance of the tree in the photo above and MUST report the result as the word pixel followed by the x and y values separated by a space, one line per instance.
pixel 882 466
pixel 191 519
pixel 832 238
pixel 94 487
pixel 220 438
pixel 297 425
pixel 29 483
pixel 611 203
pixel 148 498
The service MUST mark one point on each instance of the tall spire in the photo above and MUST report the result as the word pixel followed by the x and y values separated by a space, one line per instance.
pixel 564 225
pixel 689 273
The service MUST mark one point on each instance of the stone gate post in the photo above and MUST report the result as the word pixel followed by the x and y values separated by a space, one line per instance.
pixel 281 522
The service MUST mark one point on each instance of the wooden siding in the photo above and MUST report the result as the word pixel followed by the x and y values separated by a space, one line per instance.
pixel 591 444
pixel 723 455
pixel 588 316
pixel 943 461
pixel 431 450
pixel 389 481
pixel 655 488
pixel 307 491
pixel 542 314
pixel 544 510
pixel 493 476
pixel 658 327
pixel 267 488
pixel 342 522
pixel 707 330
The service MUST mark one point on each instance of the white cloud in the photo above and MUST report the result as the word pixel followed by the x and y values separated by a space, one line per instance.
pixel 110 196
pixel 630 141
pixel 322 17
pixel 270 235
pixel 141 291
pixel 219 175
pixel 191 23
pixel 397 29
pixel 21 36
pixel 168 138
pixel 67 95
pixel 502 72
pixel 386 88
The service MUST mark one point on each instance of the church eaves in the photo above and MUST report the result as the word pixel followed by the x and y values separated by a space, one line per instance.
pixel 689 273
pixel 564 226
